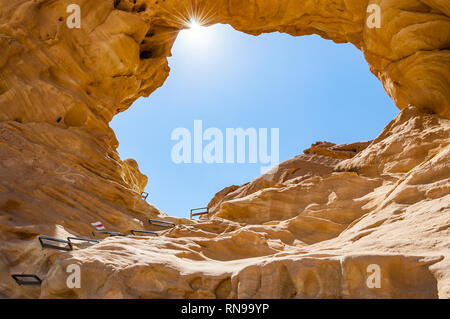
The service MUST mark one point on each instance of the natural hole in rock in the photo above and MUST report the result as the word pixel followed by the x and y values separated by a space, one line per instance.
pixel 147 54
pixel 309 88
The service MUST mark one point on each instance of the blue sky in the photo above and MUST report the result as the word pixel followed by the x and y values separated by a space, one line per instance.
pixel 309 88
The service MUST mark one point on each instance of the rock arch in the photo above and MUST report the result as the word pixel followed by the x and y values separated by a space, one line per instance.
pixel 120 52
pixel 60 171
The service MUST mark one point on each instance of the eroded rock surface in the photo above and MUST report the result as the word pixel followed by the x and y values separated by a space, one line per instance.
pixel 308 228
pixel 309 236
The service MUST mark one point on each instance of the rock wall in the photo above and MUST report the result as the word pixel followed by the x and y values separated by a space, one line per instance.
pixel 83 77
pixel 309 228
pixel 308 232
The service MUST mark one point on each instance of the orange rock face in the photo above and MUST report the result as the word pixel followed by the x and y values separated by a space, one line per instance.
pixel 313 227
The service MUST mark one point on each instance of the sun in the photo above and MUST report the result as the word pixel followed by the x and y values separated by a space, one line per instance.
pixel 195 28
pixel 197 34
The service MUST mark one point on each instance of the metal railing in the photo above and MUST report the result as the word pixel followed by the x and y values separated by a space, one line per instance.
pixel 71 239
pixel 109 233
pixel 147 232
pixel 205 211
pixel 161 223
pixel 27 279
pixel 45 239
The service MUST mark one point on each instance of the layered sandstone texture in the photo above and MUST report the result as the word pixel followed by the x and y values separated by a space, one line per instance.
pixel 309 228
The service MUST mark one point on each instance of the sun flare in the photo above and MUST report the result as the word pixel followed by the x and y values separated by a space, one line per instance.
pixel 195 28
pixel 195 32
pixel 194 25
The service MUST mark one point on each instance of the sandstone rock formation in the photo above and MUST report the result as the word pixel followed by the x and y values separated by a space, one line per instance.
pixel 308 228
pixel 307 234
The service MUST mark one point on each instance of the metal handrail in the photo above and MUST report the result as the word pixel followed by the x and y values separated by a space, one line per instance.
pixel 144 232
pixel 46 245
pixel 111 234
pixel 161 223
pixel 199 214
pixel 36 282
pixel 69 239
